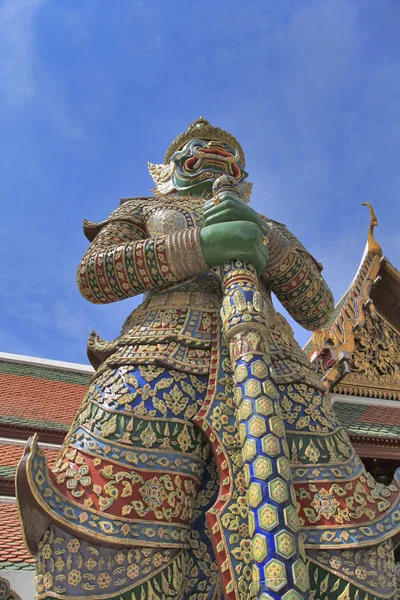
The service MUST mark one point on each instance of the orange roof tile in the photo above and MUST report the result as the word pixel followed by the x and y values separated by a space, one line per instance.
pixel 12 547
pixel 380 415
pixel 40 399
pixel 11 454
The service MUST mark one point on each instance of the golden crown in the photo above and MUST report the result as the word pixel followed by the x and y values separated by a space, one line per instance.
pixel 201 129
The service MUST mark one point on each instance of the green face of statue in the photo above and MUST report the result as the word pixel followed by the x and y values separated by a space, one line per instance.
pixel 200 163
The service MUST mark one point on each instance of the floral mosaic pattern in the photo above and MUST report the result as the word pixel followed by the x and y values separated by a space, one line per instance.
pixel 68 566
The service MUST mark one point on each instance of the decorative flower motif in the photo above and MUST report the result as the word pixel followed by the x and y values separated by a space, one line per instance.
pixel 76 477
pixel 145 391
pixel 148 436
pixel 46 551
pixel 59 564
pixel 132 571
pixel 361 572
pixel 153 493
pixel 73 545
pixel 314 412
pixel 47 580
pixel 335 562
pixel 219 418
pixel 90 563
pixel 312 452
pixel 175 400
pixel 157 559
pixel 184 439
pixel 104 580
pixel 119 557
pixel 325 503
pixel 74 577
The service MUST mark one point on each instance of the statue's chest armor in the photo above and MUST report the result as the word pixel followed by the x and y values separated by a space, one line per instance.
pixel 167 219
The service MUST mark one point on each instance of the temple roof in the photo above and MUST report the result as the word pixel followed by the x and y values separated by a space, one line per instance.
pixel 39 395
pixel 11 452
pixel 13 554
pixel 370 420
pixel 357 352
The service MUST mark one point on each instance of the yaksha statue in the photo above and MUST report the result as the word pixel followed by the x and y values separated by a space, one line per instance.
pixel 205 462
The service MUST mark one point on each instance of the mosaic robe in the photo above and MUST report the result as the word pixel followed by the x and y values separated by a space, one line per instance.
pixel 154 448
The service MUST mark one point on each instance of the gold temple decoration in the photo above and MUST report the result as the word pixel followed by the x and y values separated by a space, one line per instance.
pixel 202 129
pixel 161 175
pixel 356 306
pixel 373 245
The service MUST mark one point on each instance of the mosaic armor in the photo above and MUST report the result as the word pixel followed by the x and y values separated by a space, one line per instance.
pixel 195 470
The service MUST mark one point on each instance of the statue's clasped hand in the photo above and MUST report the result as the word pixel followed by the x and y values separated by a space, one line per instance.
pixel 233 230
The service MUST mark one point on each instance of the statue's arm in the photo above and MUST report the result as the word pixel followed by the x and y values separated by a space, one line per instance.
pixel 122 261
pixel 295 277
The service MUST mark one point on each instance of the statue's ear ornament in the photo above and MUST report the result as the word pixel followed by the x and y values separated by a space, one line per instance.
pixel 162 177
pixel 247 188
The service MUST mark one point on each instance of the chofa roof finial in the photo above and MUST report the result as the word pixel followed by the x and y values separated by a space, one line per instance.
pixel 373 245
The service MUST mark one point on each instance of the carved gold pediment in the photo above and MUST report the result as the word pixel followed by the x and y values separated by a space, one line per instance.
pixel 374 363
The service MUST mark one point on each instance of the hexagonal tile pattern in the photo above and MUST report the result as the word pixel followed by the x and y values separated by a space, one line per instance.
pixel 241 373
pixel 300 575
pixel 278 490
pixel 284 468
pixel 270 445
pixel 255 494
pixel 259 547
pixel 262 467
pixel 276 425
pixel 257 426
pixel 270 389
pixel 246 409
pixel 265 596
pixel 291 518
pixel 268 517
pixel 264 406
pixel 259 369
pixel 249 450
pixel 292 595
pixel 285 544
pixel 275 575
pixel 252 388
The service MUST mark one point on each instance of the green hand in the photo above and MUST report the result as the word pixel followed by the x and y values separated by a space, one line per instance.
pixel 231 208
pixel 232 240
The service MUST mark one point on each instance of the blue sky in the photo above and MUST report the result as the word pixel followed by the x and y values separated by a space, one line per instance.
pixel 93 90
